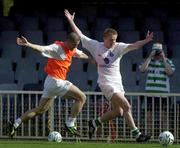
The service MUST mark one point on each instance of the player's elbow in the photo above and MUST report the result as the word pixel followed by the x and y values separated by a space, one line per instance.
pixel 142 69
pixel 83 98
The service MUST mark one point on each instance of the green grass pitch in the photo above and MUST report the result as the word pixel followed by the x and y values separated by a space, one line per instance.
pixel 46 144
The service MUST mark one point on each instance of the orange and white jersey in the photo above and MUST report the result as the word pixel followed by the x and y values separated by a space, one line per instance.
pixel 59 59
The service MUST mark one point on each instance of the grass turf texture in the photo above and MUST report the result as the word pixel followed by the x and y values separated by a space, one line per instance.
pixel 46 144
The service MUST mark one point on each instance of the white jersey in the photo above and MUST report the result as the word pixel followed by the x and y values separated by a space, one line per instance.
pixel 55 51
pixel 108 60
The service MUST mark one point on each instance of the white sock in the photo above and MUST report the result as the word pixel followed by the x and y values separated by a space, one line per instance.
pixel 97 122
pixel 17 122
pixel 99 119
pixel 70 122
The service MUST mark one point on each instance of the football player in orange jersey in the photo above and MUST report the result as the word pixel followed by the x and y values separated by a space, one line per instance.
pixel 59 56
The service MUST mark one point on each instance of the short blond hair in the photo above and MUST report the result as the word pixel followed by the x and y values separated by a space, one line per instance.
pixel 109 31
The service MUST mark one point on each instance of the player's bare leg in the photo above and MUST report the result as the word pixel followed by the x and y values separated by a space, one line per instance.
pixel 79 97
pixel 44 105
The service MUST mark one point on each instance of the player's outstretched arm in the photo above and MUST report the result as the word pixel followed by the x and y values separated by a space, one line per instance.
pixel 70 18
pixel 141 43
pixel 144 66
pixel 22 41
pixel 81 54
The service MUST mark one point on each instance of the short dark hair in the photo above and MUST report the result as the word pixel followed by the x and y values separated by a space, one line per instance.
pixel 73 38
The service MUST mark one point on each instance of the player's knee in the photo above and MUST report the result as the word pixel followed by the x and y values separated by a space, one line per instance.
pixel 117 111
pixel 127 107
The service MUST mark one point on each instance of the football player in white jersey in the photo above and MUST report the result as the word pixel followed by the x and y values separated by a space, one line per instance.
pixel 108 54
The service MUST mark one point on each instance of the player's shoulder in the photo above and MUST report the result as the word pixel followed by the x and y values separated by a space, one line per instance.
pixel 121 43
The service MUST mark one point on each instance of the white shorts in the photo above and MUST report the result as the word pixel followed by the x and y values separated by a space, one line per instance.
pixel 55 87
pixel 110 89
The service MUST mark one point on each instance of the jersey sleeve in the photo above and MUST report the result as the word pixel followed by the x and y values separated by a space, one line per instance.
pixel 89 44
pixel 53 51
pixel 122 48
pixel 171 64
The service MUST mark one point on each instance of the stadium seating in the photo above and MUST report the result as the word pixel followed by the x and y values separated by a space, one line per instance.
pixel 111 12
pixel 6 76
pixel 77 65
pixel 101 23
pixel 29 23
pixel 11 51
pixel 173 24
pixel 98 35
pixel 44 27
pixel 80 80
pixel 151 24
pixel 92 76
pixel 41 73
pixel 176 51
pixel 6 63
pixel 54 24
pixel 36 37
pixel 88 11
pixel 33 87
pixel 174 37
pixel 82 23
pixel 126 24
pixel 9 86
pixel 6 24
pixel 129 36
pixel 175 80
pixel 24 76
pixel 53 36
pixel 9 37
pixel 26 63
pixel 159 37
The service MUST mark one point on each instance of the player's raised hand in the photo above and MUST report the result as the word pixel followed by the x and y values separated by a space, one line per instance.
pixel 22 41
pixel 149 36
pixel 69 16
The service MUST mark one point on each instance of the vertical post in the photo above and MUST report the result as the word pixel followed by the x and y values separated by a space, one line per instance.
pixel 1 115
pixel 177 123
pixel 22 112
pixel 146 116
pixel 176 119
pixel 167 117
pixel 88 110
pixel 95 113
pixel 160 114
pixel 29 121
pixel 36 118
pixel 153 117
pixel 15 106
pixel 59 114
pixel 138 111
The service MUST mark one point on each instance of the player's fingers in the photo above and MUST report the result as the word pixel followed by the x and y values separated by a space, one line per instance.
pixel 147 33
pixel 66 11
pixel 23 38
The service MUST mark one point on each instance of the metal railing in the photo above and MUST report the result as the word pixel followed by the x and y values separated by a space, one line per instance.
pixel 153 113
